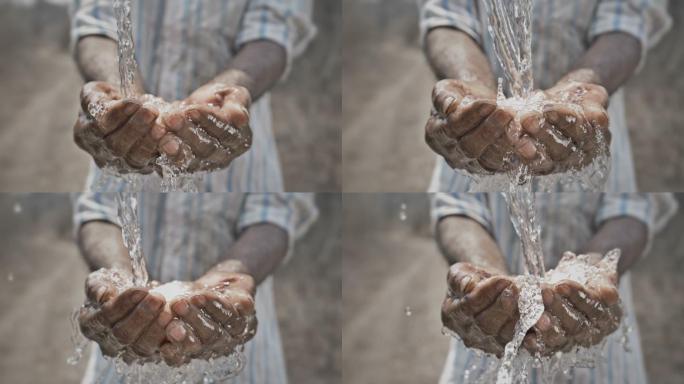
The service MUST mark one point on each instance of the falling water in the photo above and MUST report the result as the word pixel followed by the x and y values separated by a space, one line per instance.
pixel 130 230
pixel 127 65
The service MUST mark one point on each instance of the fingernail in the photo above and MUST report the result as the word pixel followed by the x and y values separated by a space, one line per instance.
pixel 464 283
pixel 171 147
pixel 181 308
pixel 199 300
pixel 99 292
pixel 175 123
pixel 130 108
pixel 177 333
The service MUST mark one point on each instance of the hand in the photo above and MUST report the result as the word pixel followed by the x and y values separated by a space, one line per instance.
pixel 481 307
pixel 213 318
pixel 574 313
pixel 209 129
pixel 117 132
pixel 470 131
pixel 126 322
pixel 568 128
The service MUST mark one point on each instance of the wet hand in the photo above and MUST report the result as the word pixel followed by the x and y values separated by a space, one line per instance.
pixel 577 314
pixel 209 129
pixel 572 127
pixel 215 317
pixel 117 132
pixel 126 322
pixel 481 307
pixel 470 131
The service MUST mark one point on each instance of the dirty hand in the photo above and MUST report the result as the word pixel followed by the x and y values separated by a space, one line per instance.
pixel 576 314
pixel 470 131
pixel 217 315
pixel 481 307
pixel 126 322
pixel 572 128
pixel 117 132
pixel 209 129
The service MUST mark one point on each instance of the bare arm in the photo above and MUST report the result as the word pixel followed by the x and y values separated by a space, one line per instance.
pixel 462 239
pixel 610 61
pixel 453 54
pixel 97 60
pixel 626 233
pixel 257 66
pixel 102 246
pixel 257 252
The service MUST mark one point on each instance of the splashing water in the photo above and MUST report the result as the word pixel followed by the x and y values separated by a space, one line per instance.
pixel 510 24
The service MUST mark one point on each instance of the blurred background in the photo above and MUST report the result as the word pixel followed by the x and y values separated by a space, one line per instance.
pixel 39 103
pixel 387 85
pixel 395 280
pixel 42 277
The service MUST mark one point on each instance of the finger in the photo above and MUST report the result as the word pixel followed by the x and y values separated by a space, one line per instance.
pixel 237 95
pixel 463 277
pixel 98 291
pixel 484 295
pixel 153 337
pixel 550 331
pixel 94 96
pixel 568 122
pixel 177 151
pixel 145 150
pixel 200 142
pixel 172 355
pixel 497 157
pixel 446 96
pixel 475 142
pixel 183 337
pixel 242 309
pixel 116 115
pixel 493 318
pixel 507 332
pixel 121 141
pixel 128 329
pixel 206 329
pixel 557 146
pixel 468 116
pixel 122 305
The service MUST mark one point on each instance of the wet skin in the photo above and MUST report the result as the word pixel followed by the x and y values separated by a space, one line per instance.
pixel 481 307
pixel 211 320
pixel 468 125
pixel 204 132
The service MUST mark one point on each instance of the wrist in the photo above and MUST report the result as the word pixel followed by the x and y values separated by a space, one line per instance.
pixel 223 271
pixel 233 78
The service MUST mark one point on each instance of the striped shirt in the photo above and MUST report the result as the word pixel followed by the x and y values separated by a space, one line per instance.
pixel 562 32
pixel 181 45
pixel 184 235
pixel 568 222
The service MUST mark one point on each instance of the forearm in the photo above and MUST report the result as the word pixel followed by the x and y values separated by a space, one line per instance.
pixel 258 252
pixel 453 54
pixel 462 239
pixel 626 233
pixel 257 66
pixel 610 61
pixel 102 246
pixel 97 60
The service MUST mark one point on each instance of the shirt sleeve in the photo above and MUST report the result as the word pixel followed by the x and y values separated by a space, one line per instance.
pixel 293 212
pixel 472 205
pixel 91 206
pixel 459 14
pixel 284 22
pixel 92 17
pixel 652 209
pixel 646 20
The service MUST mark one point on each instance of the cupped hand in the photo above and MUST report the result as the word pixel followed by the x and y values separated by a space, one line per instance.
pixel 481 307
pixel 212 319
pixel 126 322
pixel 209 129
pixel 471 131
pixel 577 314
pixel 571 129
pixel 117 132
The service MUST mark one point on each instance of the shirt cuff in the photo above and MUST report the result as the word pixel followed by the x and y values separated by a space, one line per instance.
pixel 471 205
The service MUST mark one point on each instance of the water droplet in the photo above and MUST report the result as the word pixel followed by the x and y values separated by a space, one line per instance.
pixel 10 277
pixel 402 212
pixel 407 311
pixel 17 208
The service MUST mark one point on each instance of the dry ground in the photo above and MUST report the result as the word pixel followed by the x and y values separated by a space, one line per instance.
pixel 39 101
pixel 390 265
pixel 42 275
pixel 387 86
